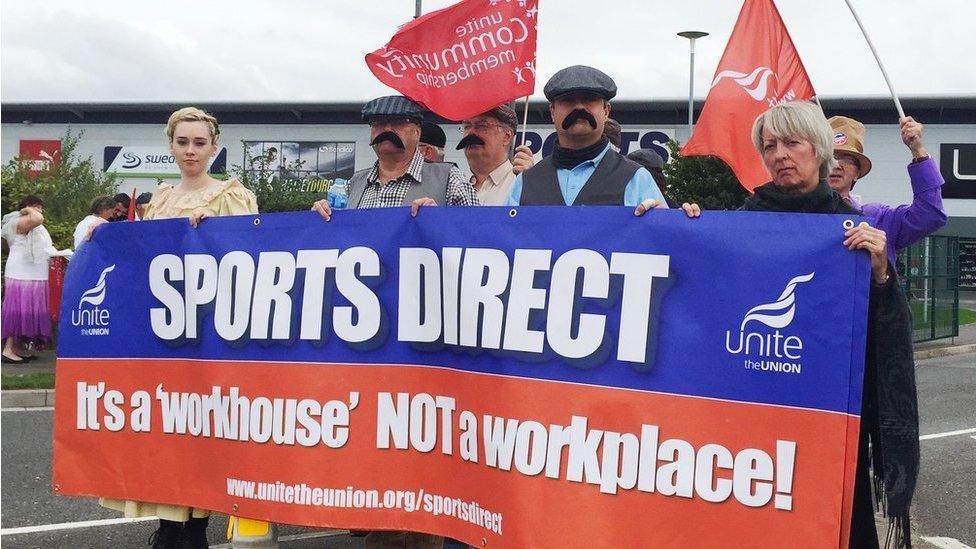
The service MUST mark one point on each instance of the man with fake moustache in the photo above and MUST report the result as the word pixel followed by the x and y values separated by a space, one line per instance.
pixel 486 143
pixel 584 169
pixel 400 177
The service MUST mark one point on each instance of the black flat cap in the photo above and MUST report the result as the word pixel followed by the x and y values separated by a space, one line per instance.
pixel 432 134
pixel 580 78
pixel 393 105
pixel 144 198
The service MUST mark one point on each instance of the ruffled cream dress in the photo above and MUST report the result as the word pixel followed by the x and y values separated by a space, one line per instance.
pixel 226 198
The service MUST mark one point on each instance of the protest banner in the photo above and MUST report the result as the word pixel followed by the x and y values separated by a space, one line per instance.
pixel 759 69
pixel 465 59
pixel 508 377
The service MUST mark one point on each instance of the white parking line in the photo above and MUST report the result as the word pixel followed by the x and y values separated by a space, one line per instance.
pixel 295 537
pixel 946 543
pixel 947 434
pixel 32 409
pixel 70 525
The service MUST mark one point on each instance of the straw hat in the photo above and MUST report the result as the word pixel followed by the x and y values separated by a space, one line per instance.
pixel 849 139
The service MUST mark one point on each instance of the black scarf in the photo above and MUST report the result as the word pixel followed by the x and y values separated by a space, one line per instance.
pixel 570 158
pixel 823 199
pixel 889 416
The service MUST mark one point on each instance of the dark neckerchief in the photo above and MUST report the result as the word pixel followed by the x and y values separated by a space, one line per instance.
pixel 822 199
pixel 570 158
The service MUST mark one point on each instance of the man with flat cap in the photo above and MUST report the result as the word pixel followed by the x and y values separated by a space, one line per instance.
pixel 486 142
pixel 432 141
pixel 400 177
pixel 584 169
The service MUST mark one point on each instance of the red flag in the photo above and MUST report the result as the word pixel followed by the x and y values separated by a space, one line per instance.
pixel 465 59
pixel 132 206
pixel 759 69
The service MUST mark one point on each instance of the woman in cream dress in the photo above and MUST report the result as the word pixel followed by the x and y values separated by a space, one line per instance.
pixel 192 137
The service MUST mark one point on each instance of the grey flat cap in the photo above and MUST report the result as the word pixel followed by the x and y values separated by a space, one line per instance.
pixel 393 105
pixel 647 158
pixel 580 78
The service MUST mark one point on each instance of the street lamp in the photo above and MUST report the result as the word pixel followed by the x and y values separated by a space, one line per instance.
pixel 691 36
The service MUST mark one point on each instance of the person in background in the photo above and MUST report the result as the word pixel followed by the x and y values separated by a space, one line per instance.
pixel 611 130
pixel 121 207
pixel 101 211
pixel 192 136
pixel 142 203
pixel 653 163
pixel 905 224
pixel 486 142
pixel 432 142
pixel 26 321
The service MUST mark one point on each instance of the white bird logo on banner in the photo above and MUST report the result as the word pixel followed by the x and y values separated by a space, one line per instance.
pixel 96 294
pixel 778 314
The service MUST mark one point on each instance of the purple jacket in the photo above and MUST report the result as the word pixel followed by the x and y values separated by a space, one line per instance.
pixel 907 224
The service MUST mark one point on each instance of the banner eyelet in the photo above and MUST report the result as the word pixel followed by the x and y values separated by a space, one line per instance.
pixel 848 224
pixel 257 221
pixel 512 213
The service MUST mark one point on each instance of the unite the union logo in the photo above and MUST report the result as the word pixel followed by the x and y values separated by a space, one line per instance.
pixel 757 84
pixel 765 347
pixel 93 319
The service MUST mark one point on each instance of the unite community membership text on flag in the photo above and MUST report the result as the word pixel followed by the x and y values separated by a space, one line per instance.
pixel 465 59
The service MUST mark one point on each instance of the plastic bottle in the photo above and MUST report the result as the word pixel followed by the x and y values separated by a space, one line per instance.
pixel 337 194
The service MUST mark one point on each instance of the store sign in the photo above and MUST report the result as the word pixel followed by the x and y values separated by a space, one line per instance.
pixel 40 154
pixel 958 163
pixel 152 162
pixel 542 140
pixel 303 166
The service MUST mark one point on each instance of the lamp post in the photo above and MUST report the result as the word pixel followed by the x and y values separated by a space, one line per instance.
pixel 691 36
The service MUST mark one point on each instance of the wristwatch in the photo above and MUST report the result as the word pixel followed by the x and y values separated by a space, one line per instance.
pixel 920 159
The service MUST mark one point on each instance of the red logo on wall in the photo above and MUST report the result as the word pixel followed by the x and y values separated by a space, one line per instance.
pixel 40 154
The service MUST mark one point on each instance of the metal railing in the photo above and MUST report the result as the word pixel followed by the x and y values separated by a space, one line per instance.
pixel 929 273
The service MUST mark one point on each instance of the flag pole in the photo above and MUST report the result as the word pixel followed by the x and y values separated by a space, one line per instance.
pixel 901 113
pixel 525 119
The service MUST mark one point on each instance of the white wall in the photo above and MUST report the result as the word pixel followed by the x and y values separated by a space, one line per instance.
pixel 887 182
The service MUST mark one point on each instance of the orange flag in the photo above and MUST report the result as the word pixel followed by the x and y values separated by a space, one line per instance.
pixel 760 68
pixel 132 207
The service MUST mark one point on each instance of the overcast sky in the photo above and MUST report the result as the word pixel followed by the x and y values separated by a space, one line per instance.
pixel 174 51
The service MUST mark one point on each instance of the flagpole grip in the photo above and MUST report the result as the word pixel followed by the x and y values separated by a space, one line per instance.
pixel 525 118
pixel 894 96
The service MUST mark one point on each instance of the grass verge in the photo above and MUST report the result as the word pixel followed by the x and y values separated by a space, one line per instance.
pixel 42 380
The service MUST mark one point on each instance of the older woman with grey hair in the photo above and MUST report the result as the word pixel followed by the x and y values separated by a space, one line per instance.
pixel 795 142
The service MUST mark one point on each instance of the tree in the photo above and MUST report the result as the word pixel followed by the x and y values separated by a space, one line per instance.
pixel 67 187
pixel 704 180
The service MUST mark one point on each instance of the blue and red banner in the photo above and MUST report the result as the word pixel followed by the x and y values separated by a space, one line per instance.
pixel 529 377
